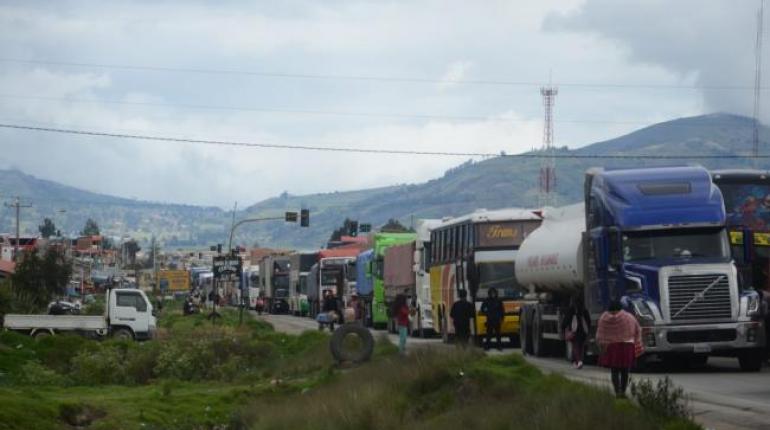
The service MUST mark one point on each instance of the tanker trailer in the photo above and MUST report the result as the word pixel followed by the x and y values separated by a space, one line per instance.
pixel 655 240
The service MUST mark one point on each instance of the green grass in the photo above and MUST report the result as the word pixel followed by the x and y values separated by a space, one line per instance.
pixel 195 376
pixel 199 375
pixel 437 389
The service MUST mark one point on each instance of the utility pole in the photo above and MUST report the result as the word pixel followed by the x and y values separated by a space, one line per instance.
pixel 18 206
pixel 757 80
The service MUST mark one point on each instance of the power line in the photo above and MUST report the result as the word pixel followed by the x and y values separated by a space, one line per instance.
pixel 334 113
pixel 372 78
pixel 376 151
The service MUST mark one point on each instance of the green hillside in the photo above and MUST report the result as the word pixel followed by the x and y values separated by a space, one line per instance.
pixel 492 183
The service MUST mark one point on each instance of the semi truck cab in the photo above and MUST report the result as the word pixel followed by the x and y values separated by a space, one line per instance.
pixel 656 239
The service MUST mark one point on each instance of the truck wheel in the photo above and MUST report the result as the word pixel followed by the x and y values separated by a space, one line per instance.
pixel 359 355
pixel 40 334
pixel 123 334
pixel 750 361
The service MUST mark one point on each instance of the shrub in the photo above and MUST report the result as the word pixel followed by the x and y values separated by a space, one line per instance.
pixel 663 399
pixel 33 373
pixel 103 366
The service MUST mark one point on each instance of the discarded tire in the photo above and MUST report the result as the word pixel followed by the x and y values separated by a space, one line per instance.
pixel 359 355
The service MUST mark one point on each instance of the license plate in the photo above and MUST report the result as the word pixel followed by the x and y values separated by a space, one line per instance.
pixel 702 348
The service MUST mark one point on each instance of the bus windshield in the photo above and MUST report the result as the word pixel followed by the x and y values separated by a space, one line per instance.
pixel 329 277
pixel 684 243
pixel 281 281
pixel 747 204
pixel 499 275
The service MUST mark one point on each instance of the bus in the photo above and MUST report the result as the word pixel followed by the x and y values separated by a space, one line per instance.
pixel 422 323
pixel 747 204
pixel 382 241
pixel 476 252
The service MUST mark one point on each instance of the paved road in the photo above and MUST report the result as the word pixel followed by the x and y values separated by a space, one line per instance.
pixel 722 396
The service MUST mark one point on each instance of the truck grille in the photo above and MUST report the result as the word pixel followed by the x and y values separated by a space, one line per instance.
pixel 690 297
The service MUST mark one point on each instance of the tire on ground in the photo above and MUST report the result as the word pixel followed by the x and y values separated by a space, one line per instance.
pixel 362 354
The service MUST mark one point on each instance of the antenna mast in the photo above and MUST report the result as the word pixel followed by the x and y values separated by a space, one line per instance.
pixel 547 164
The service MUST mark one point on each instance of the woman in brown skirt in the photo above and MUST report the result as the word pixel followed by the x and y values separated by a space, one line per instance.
pixel 619 337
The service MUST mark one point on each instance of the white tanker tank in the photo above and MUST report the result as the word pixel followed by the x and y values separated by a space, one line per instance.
pixel 551 258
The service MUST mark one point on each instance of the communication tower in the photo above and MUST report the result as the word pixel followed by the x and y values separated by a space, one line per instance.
pixel 547 163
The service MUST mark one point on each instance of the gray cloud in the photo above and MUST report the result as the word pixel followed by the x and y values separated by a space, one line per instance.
pixel 709 43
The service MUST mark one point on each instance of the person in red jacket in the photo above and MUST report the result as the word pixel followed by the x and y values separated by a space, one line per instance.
pixel 401 314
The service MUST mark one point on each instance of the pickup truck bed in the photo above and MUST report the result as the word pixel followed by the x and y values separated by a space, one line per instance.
pixel 55 322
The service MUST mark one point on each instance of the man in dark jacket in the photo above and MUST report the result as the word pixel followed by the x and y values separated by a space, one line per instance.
pixel 492 307
pixel 462 313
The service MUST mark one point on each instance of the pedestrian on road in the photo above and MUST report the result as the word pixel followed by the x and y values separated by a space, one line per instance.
pixel 260 304
pixel 358 308
pixel 401 314
pixel 462 313
pixel 576 327
pixel 492 307
pixel 620 338
pixel 330 309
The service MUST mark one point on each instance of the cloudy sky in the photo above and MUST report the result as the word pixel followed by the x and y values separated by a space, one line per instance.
pixel 446 76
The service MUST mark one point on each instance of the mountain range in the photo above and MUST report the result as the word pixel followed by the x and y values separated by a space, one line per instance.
pixel 492 183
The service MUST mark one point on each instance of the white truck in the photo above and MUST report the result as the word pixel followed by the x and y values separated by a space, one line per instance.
pixel 128 315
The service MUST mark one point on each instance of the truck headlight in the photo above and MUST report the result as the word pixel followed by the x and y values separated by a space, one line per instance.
pixel 643 310
pixel 752 305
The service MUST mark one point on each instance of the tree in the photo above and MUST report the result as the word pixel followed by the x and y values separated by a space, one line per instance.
pixel 342 231
pixel 131 249
pixel 394 226
pixel 91 228
pixel 107 243
pixel 47 228
pixel 39 279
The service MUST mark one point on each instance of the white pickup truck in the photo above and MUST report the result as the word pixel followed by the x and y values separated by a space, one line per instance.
pixel 128 315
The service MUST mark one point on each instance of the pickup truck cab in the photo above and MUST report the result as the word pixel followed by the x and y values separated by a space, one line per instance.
pixel 128 315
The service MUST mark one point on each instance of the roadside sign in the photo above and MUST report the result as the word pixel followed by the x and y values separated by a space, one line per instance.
pixel 227 268
pixel 173 280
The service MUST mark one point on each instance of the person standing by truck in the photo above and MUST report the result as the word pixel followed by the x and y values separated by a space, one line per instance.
pixel 330 309
pixel 576 327
pixel 619 337
pixel 462 313
pixel 492 308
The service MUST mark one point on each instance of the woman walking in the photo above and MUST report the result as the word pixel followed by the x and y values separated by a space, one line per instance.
pixel 576 327
pixel 619 337
pixel 401 314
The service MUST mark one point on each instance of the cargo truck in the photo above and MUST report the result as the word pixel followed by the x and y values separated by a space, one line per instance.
pixel 383 241
pixel 655 239
pixel 301 263
pixel 128 315
pixel 274 279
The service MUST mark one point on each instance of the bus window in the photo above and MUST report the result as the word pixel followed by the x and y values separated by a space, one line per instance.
pixel 499 275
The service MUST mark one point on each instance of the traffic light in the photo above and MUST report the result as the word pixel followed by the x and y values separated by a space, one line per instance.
pixel 304 218
pixel 353 228
pixel 365 228
pixel 291 217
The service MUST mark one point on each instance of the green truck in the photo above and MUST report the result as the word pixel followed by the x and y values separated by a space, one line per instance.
pixel 383 241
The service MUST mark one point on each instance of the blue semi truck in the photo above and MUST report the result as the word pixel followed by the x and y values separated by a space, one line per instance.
pixel 656 240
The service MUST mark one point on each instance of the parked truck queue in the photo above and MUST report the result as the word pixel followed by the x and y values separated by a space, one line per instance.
pixel 660 240
pixel 686 251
